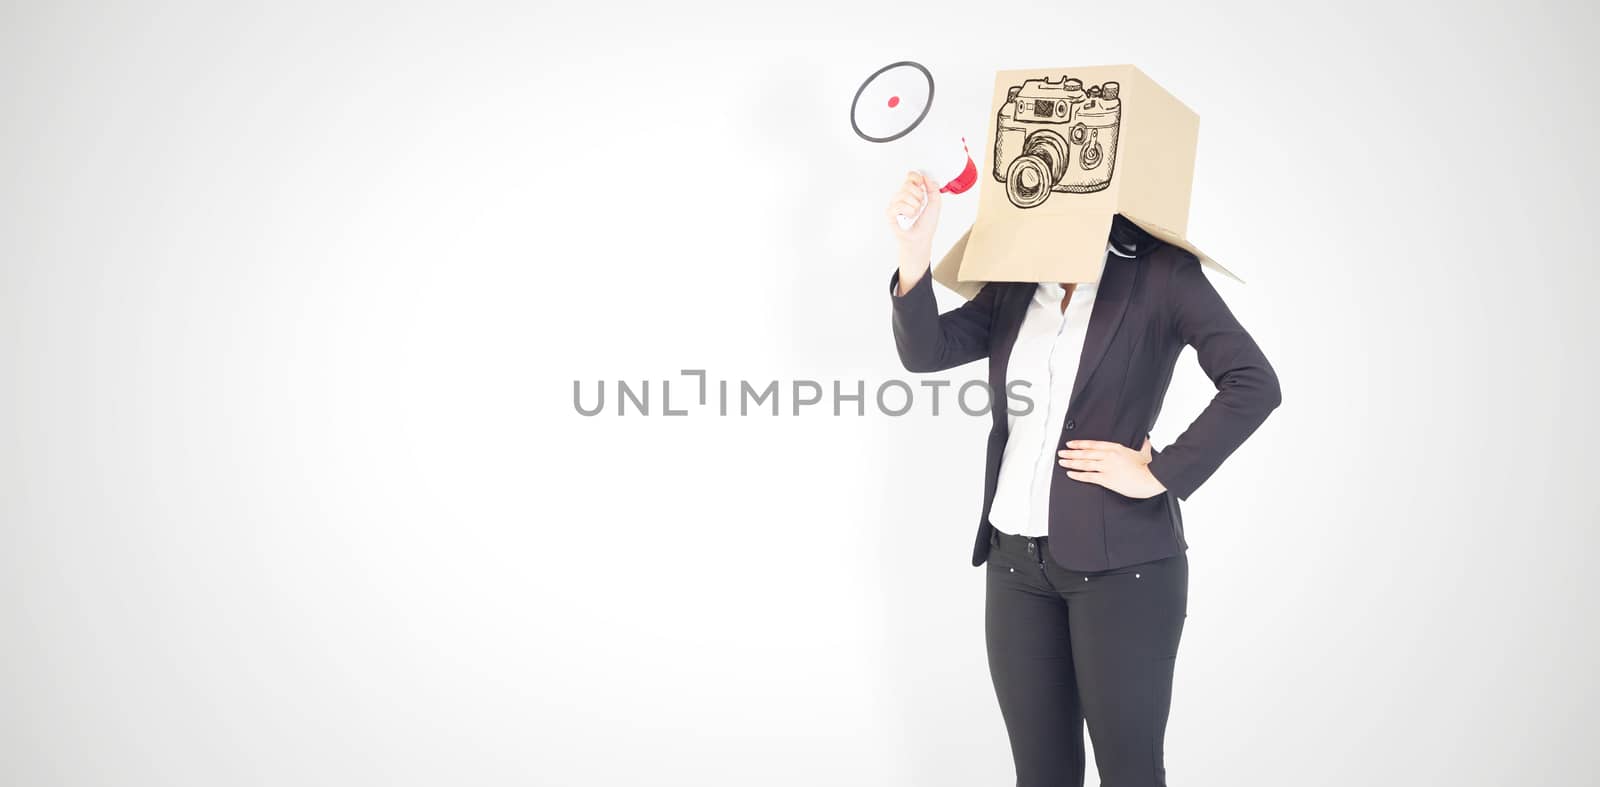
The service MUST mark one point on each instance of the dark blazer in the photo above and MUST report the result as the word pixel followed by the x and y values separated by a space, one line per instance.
pixel 1146 309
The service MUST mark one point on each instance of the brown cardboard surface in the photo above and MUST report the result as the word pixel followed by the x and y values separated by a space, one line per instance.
pixel 1067 149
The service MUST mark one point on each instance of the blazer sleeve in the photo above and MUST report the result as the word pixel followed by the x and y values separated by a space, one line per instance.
pixel 932 342
pixel 1247 387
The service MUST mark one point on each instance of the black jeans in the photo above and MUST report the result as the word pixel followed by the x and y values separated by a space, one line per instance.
pixel 1067 647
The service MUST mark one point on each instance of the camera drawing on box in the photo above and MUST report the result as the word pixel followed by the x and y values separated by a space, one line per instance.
pixel 1067 151
pixel 1056 136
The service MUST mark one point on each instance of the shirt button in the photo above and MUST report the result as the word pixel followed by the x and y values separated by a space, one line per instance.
pixel 1071 425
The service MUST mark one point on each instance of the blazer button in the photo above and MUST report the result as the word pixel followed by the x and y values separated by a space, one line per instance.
pixel 1071 425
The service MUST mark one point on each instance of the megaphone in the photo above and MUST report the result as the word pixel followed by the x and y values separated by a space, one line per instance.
pixel 895 105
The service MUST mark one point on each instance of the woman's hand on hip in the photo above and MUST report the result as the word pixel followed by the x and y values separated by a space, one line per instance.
pixel 1113 466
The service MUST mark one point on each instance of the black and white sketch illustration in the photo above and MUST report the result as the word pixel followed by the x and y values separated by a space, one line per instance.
pixel 892 102
pixel 895 104
pixel 1056 135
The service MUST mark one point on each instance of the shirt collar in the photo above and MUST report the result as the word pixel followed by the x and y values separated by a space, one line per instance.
pixel 1051 292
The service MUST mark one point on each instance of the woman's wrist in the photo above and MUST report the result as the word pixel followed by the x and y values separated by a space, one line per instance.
pixel 913 262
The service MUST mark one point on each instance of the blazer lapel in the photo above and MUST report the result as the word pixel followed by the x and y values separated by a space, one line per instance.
pixel 1110 303
pixel 1013 307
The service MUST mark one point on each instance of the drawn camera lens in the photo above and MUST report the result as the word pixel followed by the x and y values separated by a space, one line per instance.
pixel 1031 176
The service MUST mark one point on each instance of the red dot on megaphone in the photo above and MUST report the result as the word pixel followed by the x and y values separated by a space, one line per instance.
pixel 875 113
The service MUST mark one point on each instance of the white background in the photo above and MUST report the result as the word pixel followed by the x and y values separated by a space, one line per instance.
pixel 293 492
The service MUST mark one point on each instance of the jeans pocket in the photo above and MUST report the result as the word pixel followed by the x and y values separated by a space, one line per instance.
pixel 1005 563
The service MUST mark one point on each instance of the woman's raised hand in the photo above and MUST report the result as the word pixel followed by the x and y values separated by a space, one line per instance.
pixel 918 193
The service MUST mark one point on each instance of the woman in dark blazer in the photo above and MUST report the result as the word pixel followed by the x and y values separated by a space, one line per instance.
pixel 1087 575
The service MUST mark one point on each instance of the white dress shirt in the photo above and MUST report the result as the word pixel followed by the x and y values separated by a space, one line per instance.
pixel 1046 355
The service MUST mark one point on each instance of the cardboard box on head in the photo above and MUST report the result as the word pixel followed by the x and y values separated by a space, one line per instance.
pixel 1068 148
